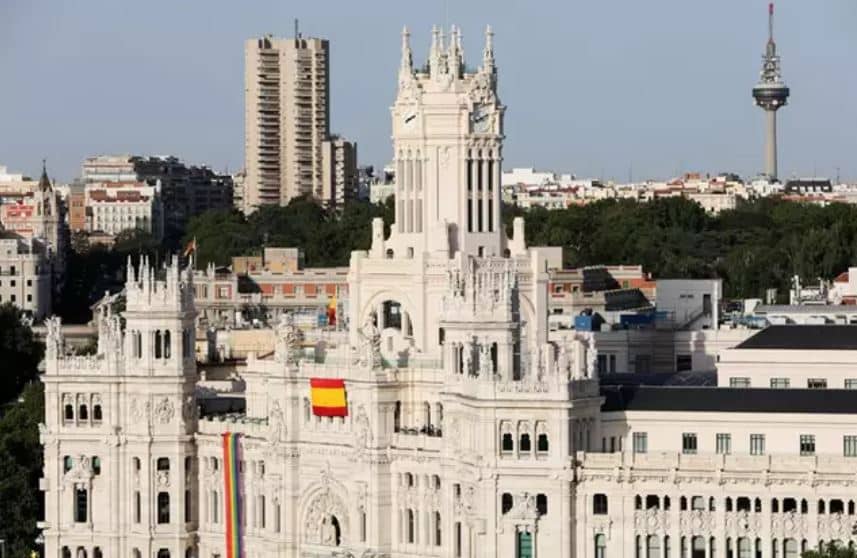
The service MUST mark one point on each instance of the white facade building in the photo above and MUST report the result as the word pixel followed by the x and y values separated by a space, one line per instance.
pixel 467 433
pixel 116 207
pixel 25 276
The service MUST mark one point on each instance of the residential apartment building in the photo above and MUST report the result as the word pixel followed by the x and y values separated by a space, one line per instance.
pixel 33 211
pixel 185 190
pixel 26 277
pixel 287 118
pixel 114 207
pixel 339 171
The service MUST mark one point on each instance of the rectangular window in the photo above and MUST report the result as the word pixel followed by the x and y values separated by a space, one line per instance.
pixel 849 446
pixel 641 442
pixel 187 510
pixel 850 383
pixel 525 545
pixel 807 444
pixel 80 505
pixel 688 442
pixel 724 444
pixel 612 364
pixel 602 364
pixel 137 507
pixel 780 383
pixel 741 382
pixel 816 383
pixel 757 444
pixel 683 363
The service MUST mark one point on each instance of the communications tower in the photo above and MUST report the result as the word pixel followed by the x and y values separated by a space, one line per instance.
pixel 770 94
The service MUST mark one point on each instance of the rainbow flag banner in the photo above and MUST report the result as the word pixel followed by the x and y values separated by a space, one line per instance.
pixel 231 495
pixel 328 397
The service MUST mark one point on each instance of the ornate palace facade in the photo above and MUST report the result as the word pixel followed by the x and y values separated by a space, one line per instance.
pixel 461 429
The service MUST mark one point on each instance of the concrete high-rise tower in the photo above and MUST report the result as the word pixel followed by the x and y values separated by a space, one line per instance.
pixel 287 118
pixel 770 94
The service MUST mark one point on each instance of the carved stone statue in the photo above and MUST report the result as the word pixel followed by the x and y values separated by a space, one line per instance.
pixel 467 358
pixel 54 342
pixel 370 345
pixel 486 368
pixel 289 343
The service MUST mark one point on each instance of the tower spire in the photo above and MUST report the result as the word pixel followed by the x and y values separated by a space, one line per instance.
pixel 488 52
pixel 770 95
pixel 44 181
pixel 434 52
pixel 407 64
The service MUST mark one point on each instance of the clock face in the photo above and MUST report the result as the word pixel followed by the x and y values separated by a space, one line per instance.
pixel 480 118
pixel 409 118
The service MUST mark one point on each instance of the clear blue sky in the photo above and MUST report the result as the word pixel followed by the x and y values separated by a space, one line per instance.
pixel 593 88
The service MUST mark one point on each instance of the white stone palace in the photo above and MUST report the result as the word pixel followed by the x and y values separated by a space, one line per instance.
pixel 469 432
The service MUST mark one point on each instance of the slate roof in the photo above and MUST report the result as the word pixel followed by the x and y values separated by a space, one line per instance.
pixel 734 400
pixel 804 338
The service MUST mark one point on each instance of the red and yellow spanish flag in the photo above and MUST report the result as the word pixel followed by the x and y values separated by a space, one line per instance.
pixel 331 311
pixel 328 397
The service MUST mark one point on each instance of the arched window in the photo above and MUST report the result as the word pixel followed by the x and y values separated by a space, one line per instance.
pixel 96 465
pixel 682 503
pixel 82 412
pixel 638 502
pixel 712 547
pixel 667 546
pixel 652 502
pixel 139 338
pixel 69 412
pixel 508 442
pixel 804 507
pixel 666 507
pixel 542 504
pixel 163 507
pixel 653 547
pixel 188 553
pixel 410 514
pixel 599 504
pixel 757 505
pixel 67 463
pixel 542 443
pixel 66 552
pixel 163 553
pixel 697 503
pixel 81 552
pixel 167 344
pixel 158 343
pixel 850 507
pixel 821 506
pixel 698 547
pixel 409 479
pixel 524 444
pixel 390 253
pixel 600 546
pixel 728 504
pixel 435 482
pixel 136 463
pixel 775 505
pixel 744 547
pixel 96 552
pixel 742 504
pixel 96 413
pixel 163 464
pixel 505 502
pixel 438 414
pixel 711 504
pixel 789 505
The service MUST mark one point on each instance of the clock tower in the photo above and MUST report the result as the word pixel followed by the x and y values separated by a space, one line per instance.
pixel 447 142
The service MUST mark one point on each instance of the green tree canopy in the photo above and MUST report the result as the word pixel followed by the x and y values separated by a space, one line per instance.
pixel 20 353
